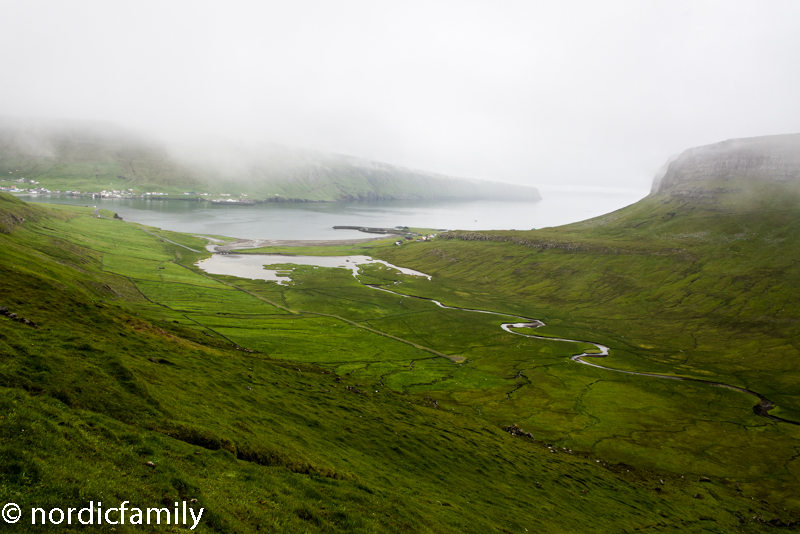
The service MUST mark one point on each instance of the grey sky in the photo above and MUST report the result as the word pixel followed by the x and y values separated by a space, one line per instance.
pixel 544 93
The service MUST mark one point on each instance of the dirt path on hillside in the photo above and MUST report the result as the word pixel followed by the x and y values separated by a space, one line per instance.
pixel 97 214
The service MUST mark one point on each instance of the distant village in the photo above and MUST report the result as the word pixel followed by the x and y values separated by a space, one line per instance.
pixel 31 187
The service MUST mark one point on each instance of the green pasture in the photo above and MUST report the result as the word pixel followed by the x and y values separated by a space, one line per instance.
pixel 348 415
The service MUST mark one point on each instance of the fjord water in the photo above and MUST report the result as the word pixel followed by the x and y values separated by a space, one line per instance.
pixel 315 220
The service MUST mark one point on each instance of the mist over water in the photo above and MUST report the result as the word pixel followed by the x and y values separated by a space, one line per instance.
pixel 313 220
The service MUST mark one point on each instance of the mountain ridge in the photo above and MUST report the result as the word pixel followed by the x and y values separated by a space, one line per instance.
pixel 92 156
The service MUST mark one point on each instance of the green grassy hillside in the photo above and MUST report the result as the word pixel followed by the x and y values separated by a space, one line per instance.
pixel 701 286
pixel 75 156
pixel 324 405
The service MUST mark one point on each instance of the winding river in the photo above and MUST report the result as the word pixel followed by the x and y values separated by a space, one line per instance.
pixel 762 408
pixel 252 266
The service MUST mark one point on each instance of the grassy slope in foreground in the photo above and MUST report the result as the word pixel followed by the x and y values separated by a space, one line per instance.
pixel 129 365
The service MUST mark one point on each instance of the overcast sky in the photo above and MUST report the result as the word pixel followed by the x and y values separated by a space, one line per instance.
pixel 560 93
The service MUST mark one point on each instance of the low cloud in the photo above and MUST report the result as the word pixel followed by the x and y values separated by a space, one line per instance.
pixel 576 93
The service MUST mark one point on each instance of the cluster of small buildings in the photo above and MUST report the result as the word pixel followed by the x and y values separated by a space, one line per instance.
pixel 114 193
pixel 32 190
pixel 14 189
pixel 418 239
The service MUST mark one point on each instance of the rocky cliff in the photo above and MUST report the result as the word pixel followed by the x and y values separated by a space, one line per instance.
pixel 731 163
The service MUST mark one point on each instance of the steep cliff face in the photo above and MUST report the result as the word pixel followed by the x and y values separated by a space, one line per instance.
pixel 731 163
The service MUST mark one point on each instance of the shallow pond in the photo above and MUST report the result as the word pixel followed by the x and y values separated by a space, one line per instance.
pixel 252 265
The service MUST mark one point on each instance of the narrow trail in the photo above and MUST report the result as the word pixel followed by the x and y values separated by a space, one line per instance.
pixel 97 214
pixel 456 359
pixel 167 240
pixel 762 408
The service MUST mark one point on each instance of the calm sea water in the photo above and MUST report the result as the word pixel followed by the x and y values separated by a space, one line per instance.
pixel 316 220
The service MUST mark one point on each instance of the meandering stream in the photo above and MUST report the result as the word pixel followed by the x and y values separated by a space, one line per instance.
pixel 762 408
pixel 252 266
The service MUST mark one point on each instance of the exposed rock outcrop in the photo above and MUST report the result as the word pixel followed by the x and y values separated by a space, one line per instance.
pixel 13 316
pixel 515 430
pixel 774 158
